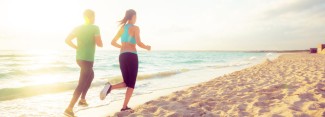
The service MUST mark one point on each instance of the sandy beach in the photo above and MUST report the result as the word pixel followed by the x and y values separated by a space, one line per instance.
pixel 292 85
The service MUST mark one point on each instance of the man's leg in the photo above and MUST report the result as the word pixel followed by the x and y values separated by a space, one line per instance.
pixel 84 72
pixel 88 83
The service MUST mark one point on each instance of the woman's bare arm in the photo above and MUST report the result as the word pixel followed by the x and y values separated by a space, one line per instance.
pixel 138 40
pixel 117 36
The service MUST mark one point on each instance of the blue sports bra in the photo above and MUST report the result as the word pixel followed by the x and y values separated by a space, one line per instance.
pixel 126 37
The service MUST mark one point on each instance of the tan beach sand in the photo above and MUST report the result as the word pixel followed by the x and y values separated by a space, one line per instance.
pixel 109 110
pixel 292 85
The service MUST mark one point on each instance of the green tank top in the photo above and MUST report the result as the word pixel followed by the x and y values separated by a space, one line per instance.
pixel 86 41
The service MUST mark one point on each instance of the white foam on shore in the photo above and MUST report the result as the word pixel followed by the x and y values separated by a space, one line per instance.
pixel 154 88
pixel 146 90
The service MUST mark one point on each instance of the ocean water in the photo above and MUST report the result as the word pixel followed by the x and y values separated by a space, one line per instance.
pixel 34 80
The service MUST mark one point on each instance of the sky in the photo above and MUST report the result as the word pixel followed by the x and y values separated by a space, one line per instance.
pixel 169 24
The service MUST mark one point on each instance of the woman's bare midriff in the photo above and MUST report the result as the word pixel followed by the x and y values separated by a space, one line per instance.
pixel 128 47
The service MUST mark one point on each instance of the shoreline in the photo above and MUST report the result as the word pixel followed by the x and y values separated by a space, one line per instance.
pixel 136 100
pixel 291 85
pixel 168 74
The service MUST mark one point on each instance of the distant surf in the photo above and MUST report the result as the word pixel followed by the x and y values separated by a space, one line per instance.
pixel 30 74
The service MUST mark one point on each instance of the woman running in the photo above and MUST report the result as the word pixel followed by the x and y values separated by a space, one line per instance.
pixel 130 37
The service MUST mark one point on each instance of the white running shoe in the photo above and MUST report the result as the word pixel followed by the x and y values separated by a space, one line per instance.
pixel 106 90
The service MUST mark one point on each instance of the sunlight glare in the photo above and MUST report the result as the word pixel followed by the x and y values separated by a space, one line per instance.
pixel 43 16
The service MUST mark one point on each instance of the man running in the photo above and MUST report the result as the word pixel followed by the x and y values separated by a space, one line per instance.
pixel 88 36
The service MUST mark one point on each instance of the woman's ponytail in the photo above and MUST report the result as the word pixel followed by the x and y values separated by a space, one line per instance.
pixel 128 16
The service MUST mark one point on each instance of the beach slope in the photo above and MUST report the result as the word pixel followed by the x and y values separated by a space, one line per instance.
pixel 292 85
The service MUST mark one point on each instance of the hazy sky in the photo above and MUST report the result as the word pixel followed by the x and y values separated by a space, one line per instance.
pixel 170 24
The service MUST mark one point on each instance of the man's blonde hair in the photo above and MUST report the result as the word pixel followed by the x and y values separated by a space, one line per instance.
pixel 88 15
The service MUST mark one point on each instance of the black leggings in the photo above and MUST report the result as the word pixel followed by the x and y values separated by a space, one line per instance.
pixel 85 79
pixel 129 68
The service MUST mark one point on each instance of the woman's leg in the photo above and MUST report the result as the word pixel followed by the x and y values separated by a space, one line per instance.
pixel 128 95
pixel 132 69
pixel 118 86
pixel 123 68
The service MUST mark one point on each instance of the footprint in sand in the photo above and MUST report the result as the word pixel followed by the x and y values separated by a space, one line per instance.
pixel 262 103
pixel 242 107
pixel 308 80
pixel 314 106
pixel 263 110
pixel 320 88
pixel 292 89
pixel 242 110
pixel 296 105
pixel 277 115
pixel 152 109
pixel 302 115
pixel 322 105
pixel 307 97
pixel 243 114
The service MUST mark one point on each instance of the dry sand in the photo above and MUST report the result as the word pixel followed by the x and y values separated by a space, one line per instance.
pixel 292 85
